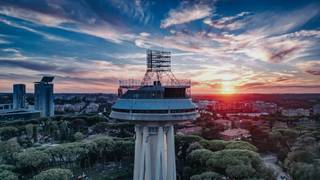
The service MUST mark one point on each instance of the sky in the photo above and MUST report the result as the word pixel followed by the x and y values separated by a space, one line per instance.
pixel 223 46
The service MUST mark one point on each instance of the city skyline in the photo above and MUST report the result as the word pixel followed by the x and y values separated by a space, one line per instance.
pixel 222 46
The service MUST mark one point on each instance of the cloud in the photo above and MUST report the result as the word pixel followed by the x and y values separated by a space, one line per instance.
pixel 280 55
pixel 40 66
pixel 3 41
pixel 265 87
pixel 81 20
pixel 228 23
pixel 43 34
pixel 252 85
pixel 311 67
pixel 282 79
pixel 272 23
pixel 144 34
pixel 33 16
pixel 184 14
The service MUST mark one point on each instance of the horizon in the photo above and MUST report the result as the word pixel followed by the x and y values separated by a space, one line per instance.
pixel 224 47
pixel 193 94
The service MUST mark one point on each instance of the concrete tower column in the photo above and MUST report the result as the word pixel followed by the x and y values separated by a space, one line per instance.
pixel 171 154
pixel 154 153
pixel 137 156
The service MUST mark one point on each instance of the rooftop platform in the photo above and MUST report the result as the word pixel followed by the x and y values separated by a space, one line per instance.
pixel 154 110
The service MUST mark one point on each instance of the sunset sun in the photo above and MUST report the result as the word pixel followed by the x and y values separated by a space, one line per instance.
pixel 227 88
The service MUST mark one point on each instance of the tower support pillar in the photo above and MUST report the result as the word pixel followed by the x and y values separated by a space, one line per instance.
pixel 154 152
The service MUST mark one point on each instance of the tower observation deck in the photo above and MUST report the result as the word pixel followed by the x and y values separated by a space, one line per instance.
pixel 155 104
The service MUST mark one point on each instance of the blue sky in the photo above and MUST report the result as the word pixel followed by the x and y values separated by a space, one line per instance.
pixel 244 45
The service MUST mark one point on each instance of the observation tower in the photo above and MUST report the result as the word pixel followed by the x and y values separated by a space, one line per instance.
pixel 155 104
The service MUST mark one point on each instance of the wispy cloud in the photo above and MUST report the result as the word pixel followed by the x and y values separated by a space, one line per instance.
pixel 33 16
pixel 311 67
pixel 230 22
pixel 64 19
pixel 185 14
pixel 43 34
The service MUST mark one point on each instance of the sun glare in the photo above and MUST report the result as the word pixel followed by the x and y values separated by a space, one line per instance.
pixel 227 88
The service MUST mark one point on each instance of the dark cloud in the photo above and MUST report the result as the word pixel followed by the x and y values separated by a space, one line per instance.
pixel 282 54
pixel 214 85
pixel 295 86
pixel 27 65
pixel 267 85
pixel 313 69
pixel 89 81
pixel 314 72
pixel 252 85
pixel 38 66
pixel 281 79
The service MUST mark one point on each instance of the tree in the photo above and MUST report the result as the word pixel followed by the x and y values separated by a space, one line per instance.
pixel 31 160
pixel 284 140
pixel 78 136
pixel 207 176
pixel 64 130
pixel 182 144
pixel 213 145
pixel 7 175
pixel 8 132
pixel 241 145
pixel 197 160
pixel 35 133
pixel 305 171
pixel 299 156
pixel 29 130
pixel 8 148
pixel 240 171
pixel 54 174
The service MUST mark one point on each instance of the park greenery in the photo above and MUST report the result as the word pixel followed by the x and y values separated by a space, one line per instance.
pixel 85 145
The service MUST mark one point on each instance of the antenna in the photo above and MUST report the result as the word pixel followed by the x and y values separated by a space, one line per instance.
pixel 158 68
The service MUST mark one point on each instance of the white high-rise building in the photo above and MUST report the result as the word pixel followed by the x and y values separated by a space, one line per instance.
pixel 19 96
pixel 43 96
pixel 155 105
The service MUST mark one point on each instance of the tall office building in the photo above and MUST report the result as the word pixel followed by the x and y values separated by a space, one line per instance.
pixel 19 96
pixel 43 96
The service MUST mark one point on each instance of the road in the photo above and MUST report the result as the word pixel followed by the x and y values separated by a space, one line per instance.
pixel 270 160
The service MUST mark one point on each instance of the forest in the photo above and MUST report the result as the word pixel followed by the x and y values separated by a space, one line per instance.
pixel 89 147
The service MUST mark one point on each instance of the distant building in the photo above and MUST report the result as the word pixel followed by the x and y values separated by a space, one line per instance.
pixel 316 109
pixel 5 107
pixel 264 107
pixel 10 115
pixel 196 130
pixel 69 107
pixel 92 108
pixel 295 112
pixel 226 124
pixel 19 96
pixel 235 134
pixel 204 104
pixel 44 100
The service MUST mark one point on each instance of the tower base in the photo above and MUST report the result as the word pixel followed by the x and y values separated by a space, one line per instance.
pixel 154 152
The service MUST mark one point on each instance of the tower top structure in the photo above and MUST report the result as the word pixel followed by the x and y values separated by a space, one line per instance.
pixel 159 97
pixel 155 104
pixel 159 69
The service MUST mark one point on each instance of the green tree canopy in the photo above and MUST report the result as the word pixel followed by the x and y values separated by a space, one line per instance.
pixel 31 158
pixel 7 175
pixel 207 176
pixel 54 174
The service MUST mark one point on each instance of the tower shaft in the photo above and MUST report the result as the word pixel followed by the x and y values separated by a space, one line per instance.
pixel 154 152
